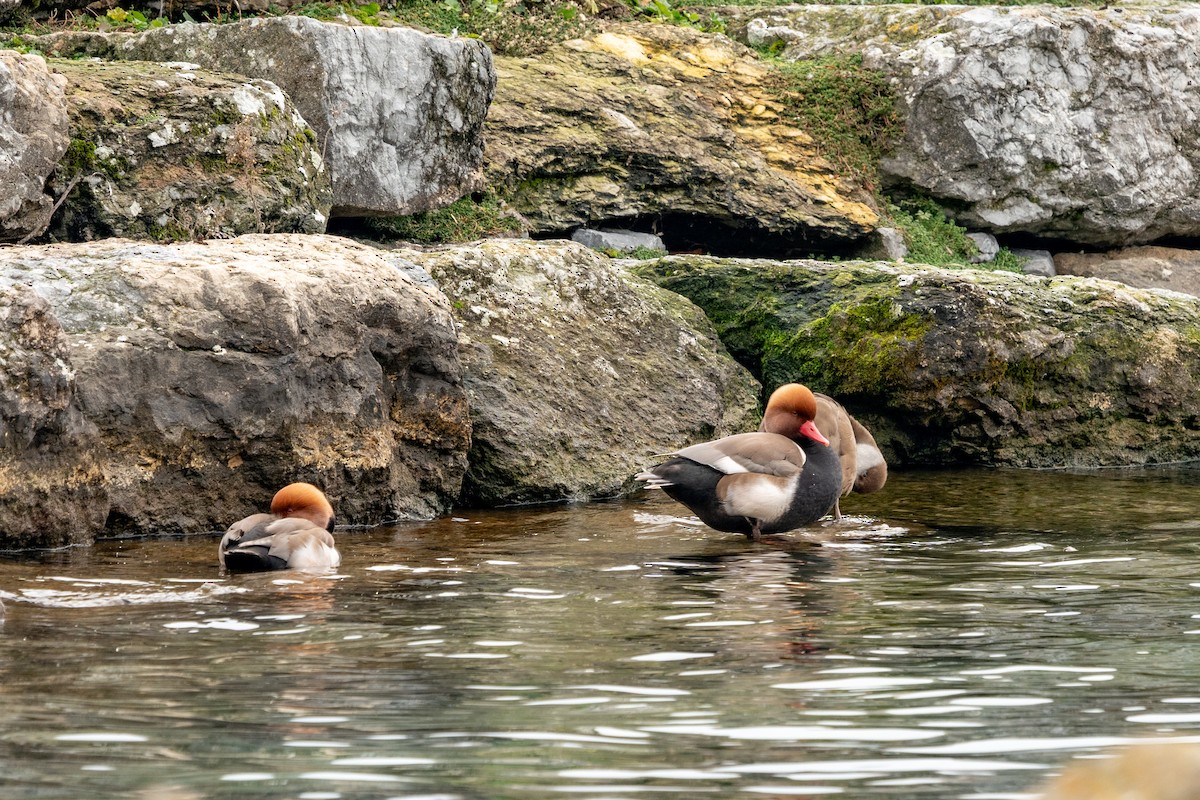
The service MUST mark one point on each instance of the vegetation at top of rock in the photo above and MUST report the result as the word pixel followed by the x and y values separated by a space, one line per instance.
pixel 464 220
pixel 1060 3
pixel 848 109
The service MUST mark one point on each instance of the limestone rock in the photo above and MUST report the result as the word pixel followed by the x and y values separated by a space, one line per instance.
pixel 987 246
pixel 579 374
pixel 1036 262
pixel 967 366
pixel 398 113
pixel 1071 123
pixel 619 240
pixel 1144 267
pixel 662 121
pixel 33 137
pixel 215 372
pixel 173 152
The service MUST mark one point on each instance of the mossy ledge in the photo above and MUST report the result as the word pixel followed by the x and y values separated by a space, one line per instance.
pixel 966 366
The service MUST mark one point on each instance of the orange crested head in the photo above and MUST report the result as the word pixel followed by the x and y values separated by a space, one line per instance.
pixel 305 501
pixel 791 411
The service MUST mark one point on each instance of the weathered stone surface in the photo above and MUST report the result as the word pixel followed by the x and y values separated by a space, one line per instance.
pixel 1036 262
pixel 1071 123
pixel 214 372
pixel 173 152
pixel 1144 267
pixel 621 241
pixel 33 137
pixel 987 246
pixel 968 366
pixel 578 372
pixel 50 487
pixel 398 113
pixel 663 121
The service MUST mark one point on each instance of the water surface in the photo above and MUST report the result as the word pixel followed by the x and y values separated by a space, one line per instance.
pixel 961 635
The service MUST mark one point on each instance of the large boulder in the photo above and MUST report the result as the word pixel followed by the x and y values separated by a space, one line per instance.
pixel 579 373
pixel 662 125
pixel 174 152
pixel 33 137
pixel 1069 123
pixel 398 113
pixel 212 373
pixel 968 366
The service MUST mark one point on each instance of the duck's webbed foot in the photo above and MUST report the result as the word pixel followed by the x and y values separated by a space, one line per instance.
pixel 755 533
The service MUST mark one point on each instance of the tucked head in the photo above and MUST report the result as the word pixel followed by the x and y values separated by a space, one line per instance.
pixel 791 411
pixel 305 501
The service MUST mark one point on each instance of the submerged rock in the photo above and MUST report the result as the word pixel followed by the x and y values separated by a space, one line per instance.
pixel 33 137
pixel 405 140
pixel 209 374
pixel 1072 123
pixel 578 372
pixel 664 121
pixel 175 152
pixel 966 366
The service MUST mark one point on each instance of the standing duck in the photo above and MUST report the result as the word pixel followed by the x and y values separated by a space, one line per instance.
pixel 297 534
pixel 776 480
pixel 864 469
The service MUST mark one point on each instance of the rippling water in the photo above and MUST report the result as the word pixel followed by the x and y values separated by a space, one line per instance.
pixel 962 635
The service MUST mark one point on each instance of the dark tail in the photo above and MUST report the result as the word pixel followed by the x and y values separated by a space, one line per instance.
pixel 252 560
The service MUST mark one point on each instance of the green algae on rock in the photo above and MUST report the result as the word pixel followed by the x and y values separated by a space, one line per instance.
pixel 966 366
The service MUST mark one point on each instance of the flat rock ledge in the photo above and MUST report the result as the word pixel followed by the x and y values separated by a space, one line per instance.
pixel 967 366
pixel 649 122
pixel 158 388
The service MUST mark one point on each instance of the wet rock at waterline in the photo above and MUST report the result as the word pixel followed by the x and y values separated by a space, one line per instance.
pixel 33 137
pixel 967 366
pixel 1069 123
pixel 51 491
pixel 579 373
pixel 407 140
pixel 209 374
pixel 664 121
pixel 174 152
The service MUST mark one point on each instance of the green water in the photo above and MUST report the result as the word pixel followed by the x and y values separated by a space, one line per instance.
pixel 959 635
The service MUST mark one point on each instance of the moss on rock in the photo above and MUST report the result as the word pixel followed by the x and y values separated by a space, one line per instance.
pixel 967 366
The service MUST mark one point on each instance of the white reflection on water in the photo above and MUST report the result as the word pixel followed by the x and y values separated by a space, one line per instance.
pixel 800 733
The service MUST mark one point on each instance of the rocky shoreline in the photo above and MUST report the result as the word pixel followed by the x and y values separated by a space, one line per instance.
pixel 163 386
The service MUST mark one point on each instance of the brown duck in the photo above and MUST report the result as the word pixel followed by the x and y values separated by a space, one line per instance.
pixel 297 534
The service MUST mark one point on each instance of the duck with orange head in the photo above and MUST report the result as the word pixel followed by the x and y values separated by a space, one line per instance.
pixel 864 469
pixel 297 534
pixel 781 478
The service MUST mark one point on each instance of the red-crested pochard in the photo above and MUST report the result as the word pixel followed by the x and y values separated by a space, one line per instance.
pixel 297 534
pixel 776 480
pixel 864 469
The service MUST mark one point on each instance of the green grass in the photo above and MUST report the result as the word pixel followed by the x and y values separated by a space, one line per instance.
pixel 933 238
pixel 464 220
pixel 849 110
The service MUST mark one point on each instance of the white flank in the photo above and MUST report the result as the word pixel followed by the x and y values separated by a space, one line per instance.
pixel 764 499
pixel 314 555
